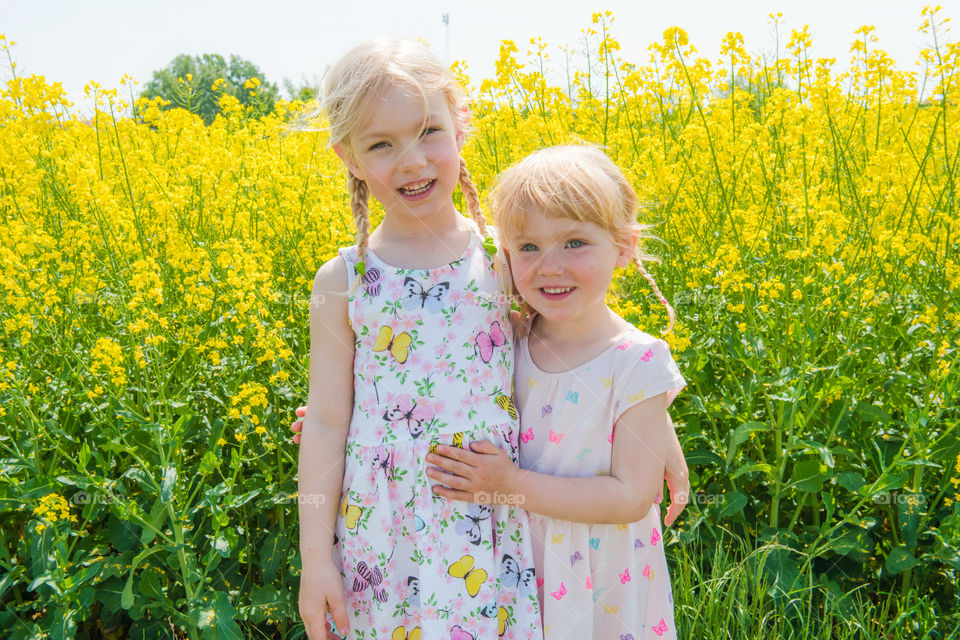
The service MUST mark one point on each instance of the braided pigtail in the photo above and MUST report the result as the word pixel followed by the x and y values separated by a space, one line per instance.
pixel 670 312
pixel 359 205
pixel 472 198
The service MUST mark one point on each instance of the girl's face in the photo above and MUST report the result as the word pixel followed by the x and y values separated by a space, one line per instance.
pixel 408 156
pixel 563 267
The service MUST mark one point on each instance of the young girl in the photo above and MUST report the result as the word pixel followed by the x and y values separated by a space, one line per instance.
pixel 593 393
pixel 410 347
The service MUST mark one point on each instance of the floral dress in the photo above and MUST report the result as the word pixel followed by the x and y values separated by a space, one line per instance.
pixel 433 364
pixel 601 581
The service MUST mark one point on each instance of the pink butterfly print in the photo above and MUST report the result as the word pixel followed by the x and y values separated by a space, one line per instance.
pixel 654 537
pixel 610 438
pixel 546 410
pixel 458 633
pixel 417 417
pixel 371 281
pixel 556 437
pixel 559 593
pixel 527 435
pixel 575 557
pixel 369 577
pixel 623 346
pixel 646 357
pixel 646 571
pixel 381 459
pixel 510 435
pixel 589 584
pixel 540 582
pixel 625 576
pixel 485 342
pixel 661 628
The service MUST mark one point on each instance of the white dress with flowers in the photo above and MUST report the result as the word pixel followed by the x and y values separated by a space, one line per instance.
pixel 600 581
pixel 433 364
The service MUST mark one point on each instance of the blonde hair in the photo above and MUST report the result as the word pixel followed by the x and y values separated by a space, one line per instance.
pixel 370 70
pixel 576 182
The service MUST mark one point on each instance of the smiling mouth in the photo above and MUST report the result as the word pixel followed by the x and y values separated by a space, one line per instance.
pixel 416 188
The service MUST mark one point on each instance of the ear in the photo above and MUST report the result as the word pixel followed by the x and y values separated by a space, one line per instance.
pixel 628 248
pixel 347 159
pixel 462 123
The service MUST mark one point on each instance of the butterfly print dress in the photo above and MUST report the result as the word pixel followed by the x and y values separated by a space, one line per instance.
pixel 596 580
pixel 433 364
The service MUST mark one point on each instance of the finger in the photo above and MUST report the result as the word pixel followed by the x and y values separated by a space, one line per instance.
pixel 453 494
pixel 678 502
pixel 462 455
pixel 450 465
pixel 297 426
pixel 338 607
pixel 296 439
pixel 485 447
pixel 301 411
pixel 449 479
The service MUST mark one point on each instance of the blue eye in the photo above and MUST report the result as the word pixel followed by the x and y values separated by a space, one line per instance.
pixel 573 244
pixel 529 246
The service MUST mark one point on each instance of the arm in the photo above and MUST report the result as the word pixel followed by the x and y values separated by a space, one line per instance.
pixel 322 445
pixel 643 435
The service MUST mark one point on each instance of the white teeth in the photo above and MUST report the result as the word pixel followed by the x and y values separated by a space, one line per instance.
pixel 557 289
pixel 416 188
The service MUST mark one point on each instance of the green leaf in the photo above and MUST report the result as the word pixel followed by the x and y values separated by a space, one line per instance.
pixel 216 618
pixel 271 554
pixel 126 597
pixel 909 506
pixel 900 559
pixel 156 519
pixel 749 468
pixel 169 481
pixel 850 480
pixel 808 475
pixel 732 503
pixel 740 435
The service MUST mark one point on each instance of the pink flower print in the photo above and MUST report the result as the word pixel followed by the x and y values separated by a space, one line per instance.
pixel 456 318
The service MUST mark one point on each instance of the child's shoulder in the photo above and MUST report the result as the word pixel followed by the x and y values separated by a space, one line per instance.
pixel 637 345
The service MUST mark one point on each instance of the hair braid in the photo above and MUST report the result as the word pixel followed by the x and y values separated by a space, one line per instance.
pixel 670 312
pixel 472 198
pixel 359 197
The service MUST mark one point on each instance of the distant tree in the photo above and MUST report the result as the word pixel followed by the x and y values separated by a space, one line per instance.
pixel 305 90
pixel 196 83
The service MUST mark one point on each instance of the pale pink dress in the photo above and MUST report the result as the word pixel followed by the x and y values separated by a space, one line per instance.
pixel 607 582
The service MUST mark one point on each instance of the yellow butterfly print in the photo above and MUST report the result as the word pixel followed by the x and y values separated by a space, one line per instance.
pixel 401 634
pixel 607 382
pixel 350 513
pixel 557 538
pixel 457 442
pixel 398 345
pixel 531 382
pixel 621 527
pixel 502 620
pixel 507 405
pixel 474 578
pixel 609 608
pixel 635 397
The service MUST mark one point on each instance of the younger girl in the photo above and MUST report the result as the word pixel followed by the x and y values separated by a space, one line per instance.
pixel 593 393
pixel 410 346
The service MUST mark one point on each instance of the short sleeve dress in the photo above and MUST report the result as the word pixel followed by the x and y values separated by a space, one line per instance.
pixel 433 364
pixel 596 580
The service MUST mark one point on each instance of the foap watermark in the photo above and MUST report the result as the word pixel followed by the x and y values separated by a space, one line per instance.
pixel 302 498
pixel 98 497
pixel 497 498
pixel 896 497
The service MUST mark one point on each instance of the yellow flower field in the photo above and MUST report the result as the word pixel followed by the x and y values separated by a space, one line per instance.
pixel 156 275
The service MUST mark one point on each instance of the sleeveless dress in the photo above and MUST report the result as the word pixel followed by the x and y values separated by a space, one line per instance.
pixel 600 581
pixel 433 364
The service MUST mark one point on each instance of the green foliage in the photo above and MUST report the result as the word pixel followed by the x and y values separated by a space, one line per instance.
pixel 196 83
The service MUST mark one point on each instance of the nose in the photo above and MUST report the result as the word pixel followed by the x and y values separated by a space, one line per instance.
pixel 549 263
pixel 412 158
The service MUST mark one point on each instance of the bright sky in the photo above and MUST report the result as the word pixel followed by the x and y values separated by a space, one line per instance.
pixel 75 42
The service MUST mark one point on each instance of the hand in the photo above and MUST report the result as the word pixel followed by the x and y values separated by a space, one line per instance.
pixel 297 425
pixel 321 589
pixel 678 481
pixel 472 475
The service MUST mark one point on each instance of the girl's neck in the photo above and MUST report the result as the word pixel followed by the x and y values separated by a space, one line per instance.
pixel 420 243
